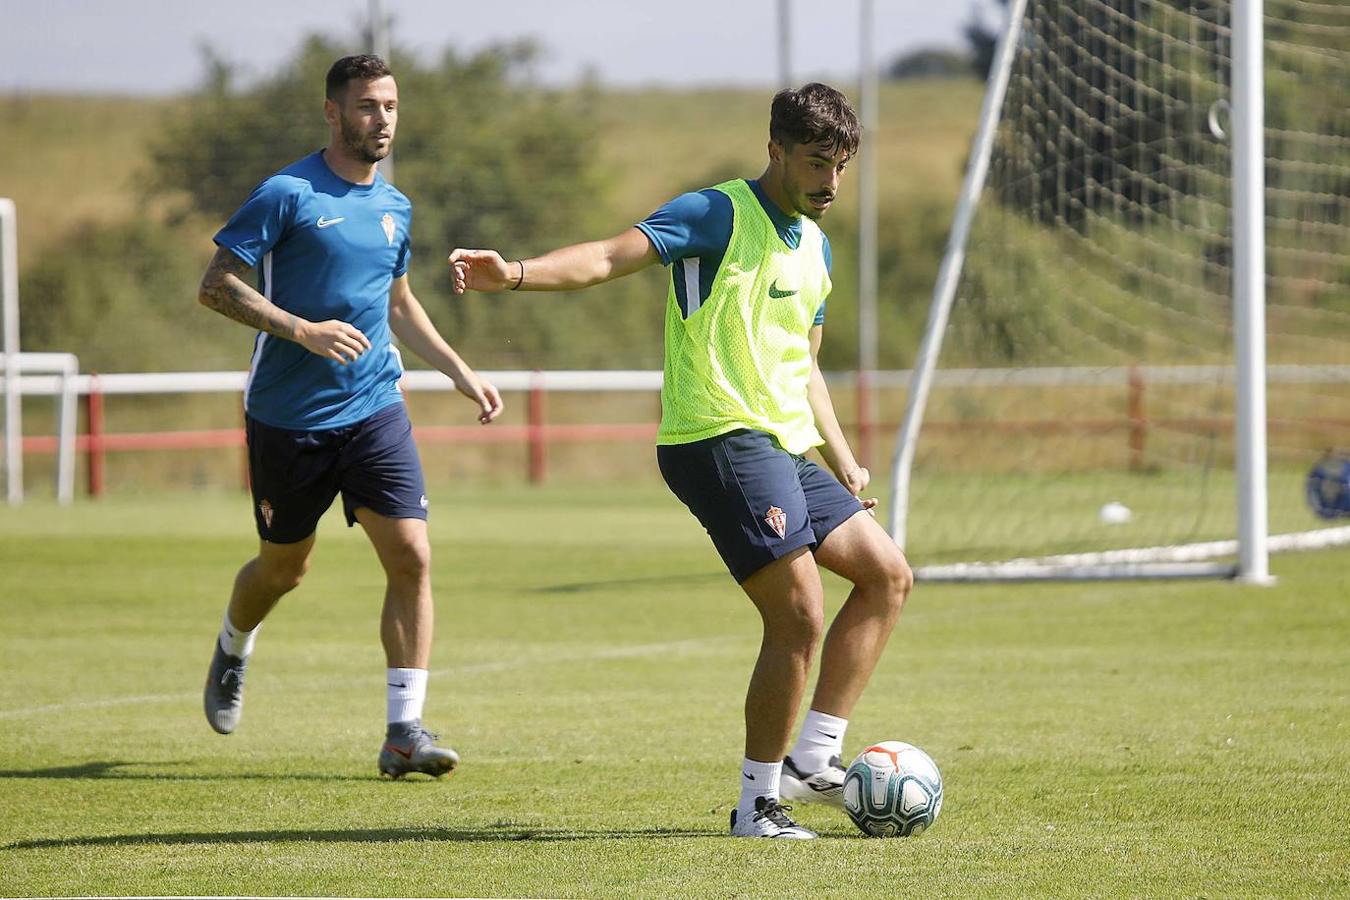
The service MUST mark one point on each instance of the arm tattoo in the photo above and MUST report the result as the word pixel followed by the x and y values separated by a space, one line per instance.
pixel 224 290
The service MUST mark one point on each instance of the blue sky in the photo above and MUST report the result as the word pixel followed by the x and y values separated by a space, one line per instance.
pixel 153 46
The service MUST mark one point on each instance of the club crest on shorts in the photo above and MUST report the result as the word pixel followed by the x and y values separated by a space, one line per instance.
pixel 777 520
pixel 265 508
pixel 387 223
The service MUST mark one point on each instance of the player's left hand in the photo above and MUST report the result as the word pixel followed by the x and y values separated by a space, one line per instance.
pixel 489 402
pixel 856 480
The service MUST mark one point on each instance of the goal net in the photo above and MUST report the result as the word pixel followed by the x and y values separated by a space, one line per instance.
pixel 1084 402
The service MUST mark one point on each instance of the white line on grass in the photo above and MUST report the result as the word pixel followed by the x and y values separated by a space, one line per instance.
pixel 92 704
pixel 634 651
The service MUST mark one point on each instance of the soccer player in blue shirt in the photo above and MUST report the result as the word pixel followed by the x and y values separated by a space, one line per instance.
pixel 330 239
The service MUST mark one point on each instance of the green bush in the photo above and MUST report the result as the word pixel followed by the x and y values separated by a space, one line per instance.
pixel 124 299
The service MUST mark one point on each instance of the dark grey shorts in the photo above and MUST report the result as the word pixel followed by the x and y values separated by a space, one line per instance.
pixel 295 475
pixel 757 501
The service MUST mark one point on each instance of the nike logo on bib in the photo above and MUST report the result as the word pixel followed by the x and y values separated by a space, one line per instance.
pixel 776 294
pixel 324 223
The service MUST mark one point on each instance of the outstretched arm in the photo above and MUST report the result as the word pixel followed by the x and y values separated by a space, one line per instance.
pixel 223 289
pixel 409 321
pixel 835 450
pixel 565 269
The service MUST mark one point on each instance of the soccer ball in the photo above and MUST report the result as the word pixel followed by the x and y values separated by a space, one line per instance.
pixel 893 789
pixel 1328 487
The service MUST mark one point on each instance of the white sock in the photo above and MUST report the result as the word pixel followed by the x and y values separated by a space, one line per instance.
pixel 822 737
pixel 407 692
pixel 758 779
pixel 235 642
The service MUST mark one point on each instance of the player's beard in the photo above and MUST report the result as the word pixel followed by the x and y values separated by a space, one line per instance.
pixel 806 209
pixel 358 142
pixel 801 201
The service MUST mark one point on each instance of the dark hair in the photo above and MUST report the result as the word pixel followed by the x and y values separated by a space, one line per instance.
pixel 814 114
pixel 366 67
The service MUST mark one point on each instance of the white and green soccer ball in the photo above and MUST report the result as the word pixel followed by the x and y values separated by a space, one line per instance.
pixel 893 789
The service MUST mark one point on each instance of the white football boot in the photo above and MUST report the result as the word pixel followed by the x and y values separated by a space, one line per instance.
pixel 825 786
pixel 769 820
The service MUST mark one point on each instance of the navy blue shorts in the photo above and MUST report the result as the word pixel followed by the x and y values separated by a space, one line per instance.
pixel 757 501
pixel 296 474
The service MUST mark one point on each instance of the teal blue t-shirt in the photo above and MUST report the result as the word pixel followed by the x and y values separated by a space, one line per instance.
pixel 325 248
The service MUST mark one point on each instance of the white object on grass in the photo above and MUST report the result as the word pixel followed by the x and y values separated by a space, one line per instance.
pixel 1115 513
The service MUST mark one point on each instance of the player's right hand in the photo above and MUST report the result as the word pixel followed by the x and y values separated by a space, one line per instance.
pixel 335 340
pixel 481 270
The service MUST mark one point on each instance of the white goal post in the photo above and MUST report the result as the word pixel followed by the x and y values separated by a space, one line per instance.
pixel 1115 195
pixel 57 375
pixel 9 346
pixel 15 366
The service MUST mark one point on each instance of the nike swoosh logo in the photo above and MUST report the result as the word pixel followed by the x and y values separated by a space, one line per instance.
pixel 748 775
pixel 406 754
pixel 391 684
pixel 827 734
pixel 324 223
pixel 776 294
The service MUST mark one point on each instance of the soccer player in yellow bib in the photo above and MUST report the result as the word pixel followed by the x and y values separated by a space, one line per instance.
pixel 742 402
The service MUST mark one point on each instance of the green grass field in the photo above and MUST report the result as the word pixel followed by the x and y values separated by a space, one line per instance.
pixel 1175 739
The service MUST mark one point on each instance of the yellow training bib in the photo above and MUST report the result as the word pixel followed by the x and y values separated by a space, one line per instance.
pixel 742 358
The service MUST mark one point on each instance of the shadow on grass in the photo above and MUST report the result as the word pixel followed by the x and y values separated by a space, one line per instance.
pixel 685 578
pixel 485 834
pixel 113 770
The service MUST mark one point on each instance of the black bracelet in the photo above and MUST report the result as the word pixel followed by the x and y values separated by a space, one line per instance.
pixel 521 279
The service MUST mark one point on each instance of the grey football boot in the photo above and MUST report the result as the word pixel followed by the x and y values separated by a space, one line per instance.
pixel 224 694
pixel 408 747
pixel 825 786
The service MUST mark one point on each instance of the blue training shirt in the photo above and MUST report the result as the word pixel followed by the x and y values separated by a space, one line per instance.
pixel 325 249
pixel 698 225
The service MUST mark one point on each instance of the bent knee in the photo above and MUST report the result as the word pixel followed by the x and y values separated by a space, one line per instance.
pixel 283 576
pixel 893 579
pixel 811 625
pixel 902 580
pixel 410 561
pixel 799 626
